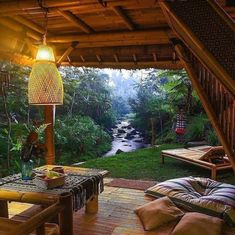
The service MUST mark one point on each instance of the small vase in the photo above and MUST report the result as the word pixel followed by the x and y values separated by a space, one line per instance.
pixel 27 170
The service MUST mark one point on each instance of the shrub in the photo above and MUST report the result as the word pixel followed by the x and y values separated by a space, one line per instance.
pixel 80 136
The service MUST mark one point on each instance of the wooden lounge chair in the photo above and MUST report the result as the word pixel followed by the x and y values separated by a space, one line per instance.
pixel 211 158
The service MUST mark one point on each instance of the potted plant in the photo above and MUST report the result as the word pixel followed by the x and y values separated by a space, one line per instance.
pixel 31 150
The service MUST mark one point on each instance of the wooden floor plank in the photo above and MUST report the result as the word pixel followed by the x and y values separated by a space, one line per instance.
pixel 115 216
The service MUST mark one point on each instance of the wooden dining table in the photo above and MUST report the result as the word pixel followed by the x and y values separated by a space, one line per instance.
pixel 82 187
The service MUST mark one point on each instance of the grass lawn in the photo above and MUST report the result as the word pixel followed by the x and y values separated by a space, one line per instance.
pixel 146 164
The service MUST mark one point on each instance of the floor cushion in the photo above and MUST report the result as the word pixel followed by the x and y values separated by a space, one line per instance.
pixel 199 194
pixel 158 212
pixel 198 224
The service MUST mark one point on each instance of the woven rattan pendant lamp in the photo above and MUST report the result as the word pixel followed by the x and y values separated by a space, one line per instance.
pixel 45 85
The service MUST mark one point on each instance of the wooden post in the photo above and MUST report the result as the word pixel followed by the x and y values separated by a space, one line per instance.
pixel 3 209
pixel 49 115
pixel 66 216
pixel 92 205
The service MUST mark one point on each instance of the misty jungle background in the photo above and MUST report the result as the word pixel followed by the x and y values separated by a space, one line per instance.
pixel 94 101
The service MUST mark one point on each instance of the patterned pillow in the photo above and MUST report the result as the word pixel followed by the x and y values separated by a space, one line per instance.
pixel 199 194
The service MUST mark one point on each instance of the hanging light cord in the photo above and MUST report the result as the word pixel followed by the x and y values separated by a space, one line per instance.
pixel 45 12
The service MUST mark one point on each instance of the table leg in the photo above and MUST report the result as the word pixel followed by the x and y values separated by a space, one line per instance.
pixel 3 209
pixel 66 215
pixel 92 205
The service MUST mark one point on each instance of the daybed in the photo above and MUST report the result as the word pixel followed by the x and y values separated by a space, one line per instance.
pixel 212 158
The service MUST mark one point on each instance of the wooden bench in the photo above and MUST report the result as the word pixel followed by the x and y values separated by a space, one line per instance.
pixel 36 223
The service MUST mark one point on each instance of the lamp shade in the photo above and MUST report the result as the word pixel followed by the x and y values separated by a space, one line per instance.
pixel 45 85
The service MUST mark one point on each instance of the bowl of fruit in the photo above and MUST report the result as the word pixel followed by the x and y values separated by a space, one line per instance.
pixel 50 179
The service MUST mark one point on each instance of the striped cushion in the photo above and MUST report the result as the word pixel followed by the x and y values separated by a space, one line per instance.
pixel 199 194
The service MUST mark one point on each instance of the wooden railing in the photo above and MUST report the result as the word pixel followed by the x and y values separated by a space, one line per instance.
pixel 203 46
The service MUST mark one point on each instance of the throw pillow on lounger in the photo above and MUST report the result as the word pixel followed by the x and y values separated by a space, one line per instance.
pixel 199 194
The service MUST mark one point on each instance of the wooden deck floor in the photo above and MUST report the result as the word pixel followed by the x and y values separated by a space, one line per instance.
pixel 115 216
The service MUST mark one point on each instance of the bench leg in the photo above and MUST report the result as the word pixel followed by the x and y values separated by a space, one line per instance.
pixel 213 173
pixel 92 205
pixel 3 209
pixel 163 159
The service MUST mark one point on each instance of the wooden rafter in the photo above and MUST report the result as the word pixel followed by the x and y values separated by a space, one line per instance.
pixel 99 58
pixel 75 20
pixel 20 7
pixel 67 53
pixel 119 11
pixel 82 58
pixel 155 36
pixel 154 56
pixel 15 26
pixel 116 57
pixel 128 65
pixel 29 24
pixel 135 58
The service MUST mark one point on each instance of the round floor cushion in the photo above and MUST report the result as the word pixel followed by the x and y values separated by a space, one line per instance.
pixel 199 194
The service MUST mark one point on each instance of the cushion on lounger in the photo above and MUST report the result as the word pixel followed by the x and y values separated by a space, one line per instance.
pixel 199 194
pixel 198 224
pixel 158 212
pixel 215 152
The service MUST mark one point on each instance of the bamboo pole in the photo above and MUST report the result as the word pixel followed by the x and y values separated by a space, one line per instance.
pixel 128 65
pixel 92 206
pixel 3 209
pixel 66 53
pixel 22 6
pixel 37 220
pixel 29 24
pixel 159 50
pixel 206 103
pixel 19 28
pixel 66 217
pixel 159 35
pixel 49 118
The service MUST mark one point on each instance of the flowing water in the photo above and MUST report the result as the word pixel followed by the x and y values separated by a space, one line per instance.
pixel 125 139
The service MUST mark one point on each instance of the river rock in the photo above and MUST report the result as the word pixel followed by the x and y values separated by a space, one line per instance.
pixel 133 132
pixel 138 140
pixel 129 136
pixel 120 131
pixel 119 151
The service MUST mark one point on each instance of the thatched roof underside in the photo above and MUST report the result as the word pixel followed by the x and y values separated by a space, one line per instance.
pixel 119 34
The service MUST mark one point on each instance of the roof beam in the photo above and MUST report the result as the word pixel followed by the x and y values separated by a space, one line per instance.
pixel 19 28
pixel 76 21
pixel 128 65
pixel 67 53
pixel 119 11
pixel 160 50
pixel 29 24
pixel 22 7
pixel 153 36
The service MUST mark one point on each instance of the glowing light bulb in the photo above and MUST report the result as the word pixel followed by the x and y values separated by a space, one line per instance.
pixel 45 53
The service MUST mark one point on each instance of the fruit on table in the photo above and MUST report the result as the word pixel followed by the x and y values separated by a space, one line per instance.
pixel 52 174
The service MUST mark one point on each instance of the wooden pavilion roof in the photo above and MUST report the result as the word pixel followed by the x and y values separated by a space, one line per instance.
pixel 94 33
